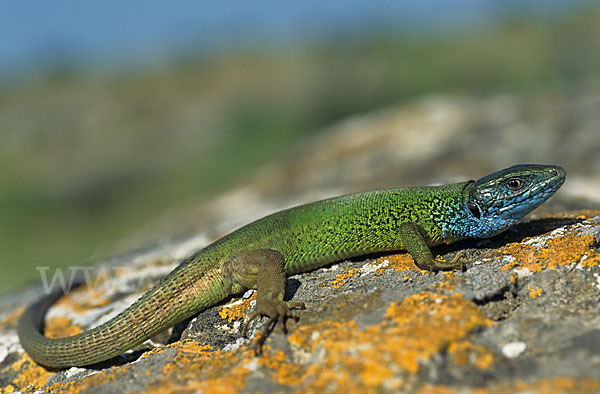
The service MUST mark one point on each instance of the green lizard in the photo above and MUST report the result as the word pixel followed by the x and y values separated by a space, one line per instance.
pixel 261 254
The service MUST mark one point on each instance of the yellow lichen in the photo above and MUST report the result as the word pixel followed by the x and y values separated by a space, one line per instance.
pixel 93 381
pixel 341 279
pixel 559 385
pixel 447 284
pixel 9 389
pixel 12 318
pixel 412 331
pixel 60 327
pixel 82 299
pixel 281 370
pixel 554 385
pixel 464 352
pixel 30 377
pixel 534 291
pixel 565 249
pixel 238 310
pixel 398 262
pixel 152 352
pixel 194 368
pixel 373 373
pixel 437 389
pixel 189 346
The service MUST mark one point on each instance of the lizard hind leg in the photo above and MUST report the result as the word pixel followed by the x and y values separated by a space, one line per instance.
pixel 263 269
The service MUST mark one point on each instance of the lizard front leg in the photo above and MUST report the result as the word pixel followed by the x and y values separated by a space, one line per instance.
pixel 412 240
pixel 263 269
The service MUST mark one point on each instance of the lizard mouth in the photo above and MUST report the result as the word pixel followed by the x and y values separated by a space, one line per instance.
pixel 558 176
pixel 550 185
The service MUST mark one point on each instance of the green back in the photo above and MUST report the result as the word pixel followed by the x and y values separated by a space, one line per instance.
pixel 318 233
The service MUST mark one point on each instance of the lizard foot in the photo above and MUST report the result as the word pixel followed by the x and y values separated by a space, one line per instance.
pixel 278 312
pixel 439 264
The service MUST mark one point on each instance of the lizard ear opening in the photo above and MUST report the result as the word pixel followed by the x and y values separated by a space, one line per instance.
pixel 474 208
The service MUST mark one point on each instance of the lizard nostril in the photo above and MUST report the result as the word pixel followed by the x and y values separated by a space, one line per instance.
pixel 554 172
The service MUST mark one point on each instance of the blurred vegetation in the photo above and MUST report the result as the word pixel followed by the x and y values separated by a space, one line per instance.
pixel 86 159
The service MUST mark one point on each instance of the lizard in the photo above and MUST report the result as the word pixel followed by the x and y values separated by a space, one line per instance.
pixel 261 254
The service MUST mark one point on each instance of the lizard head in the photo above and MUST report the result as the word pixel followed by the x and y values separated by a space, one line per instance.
pixel 497 201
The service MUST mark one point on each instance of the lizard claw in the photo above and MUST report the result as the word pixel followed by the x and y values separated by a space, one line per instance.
pixel 439 264
pixel 278 312
pixel 459 260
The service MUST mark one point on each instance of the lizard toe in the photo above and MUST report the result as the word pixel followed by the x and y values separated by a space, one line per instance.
pixel 278 312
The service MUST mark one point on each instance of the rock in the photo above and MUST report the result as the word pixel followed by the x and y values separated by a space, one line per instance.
pixel 522 317
pixel 377 323
pixel 514 349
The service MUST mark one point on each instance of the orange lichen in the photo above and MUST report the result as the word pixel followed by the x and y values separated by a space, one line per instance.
pixel 555 385
pixel 195 369
pixel 238 310
pixel 534 292
pixel 398 262
pixel 60 327
pixel 281 370
pixel 368 357
pixel 560 385
pixel 93 381
pixel 341 279
pixel 463 352
pixel 412 331
pixel 438 319
pixel 570 247
pixel 153 352
pixel 189 346
pixel 374 373
pixel 232 383
pixel 447 283
pixel 82 299
pixel 8 389
pixel 31 376
pixel 12 318
pixel 437 389
pixel 578 214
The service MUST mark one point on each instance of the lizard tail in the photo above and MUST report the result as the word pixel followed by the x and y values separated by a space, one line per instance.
pixel 179 296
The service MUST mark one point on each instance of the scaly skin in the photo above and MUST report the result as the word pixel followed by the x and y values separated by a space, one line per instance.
pixel 300 239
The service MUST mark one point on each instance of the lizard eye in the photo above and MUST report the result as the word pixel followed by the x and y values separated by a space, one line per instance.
pixel 514 183
pixel 474 208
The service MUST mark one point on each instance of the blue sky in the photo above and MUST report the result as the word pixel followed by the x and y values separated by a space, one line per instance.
pixel 111 32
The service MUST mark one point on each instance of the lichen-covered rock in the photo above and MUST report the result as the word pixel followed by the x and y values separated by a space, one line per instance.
pixel 524 315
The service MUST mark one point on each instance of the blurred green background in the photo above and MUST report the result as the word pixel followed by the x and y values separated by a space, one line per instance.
pixel 91 150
